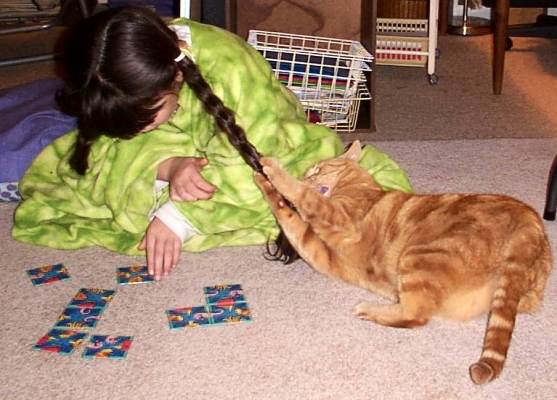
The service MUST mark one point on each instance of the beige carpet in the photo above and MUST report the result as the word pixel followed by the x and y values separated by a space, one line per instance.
pixel 303 342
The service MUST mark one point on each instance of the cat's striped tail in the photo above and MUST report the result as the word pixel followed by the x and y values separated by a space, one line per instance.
pixel 500 325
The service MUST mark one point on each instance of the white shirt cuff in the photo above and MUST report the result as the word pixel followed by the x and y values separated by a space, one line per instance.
pixel 175 221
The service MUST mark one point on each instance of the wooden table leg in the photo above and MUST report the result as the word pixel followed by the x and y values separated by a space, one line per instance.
pixel 231 15
pixel 499 47
pixel 443 16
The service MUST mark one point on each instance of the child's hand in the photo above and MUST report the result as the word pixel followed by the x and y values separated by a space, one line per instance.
pixel 184 177
pixel 162 248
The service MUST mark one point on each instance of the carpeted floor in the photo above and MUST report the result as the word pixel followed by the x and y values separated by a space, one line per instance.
pixel 303 342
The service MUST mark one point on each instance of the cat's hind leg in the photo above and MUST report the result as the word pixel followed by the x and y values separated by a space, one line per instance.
pixel 415 308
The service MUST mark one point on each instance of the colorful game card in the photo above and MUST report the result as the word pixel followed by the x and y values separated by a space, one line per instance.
pixel 62 341
pixel 90 298
pixel 104 346
pixel 133 275
pixel 79 317
pixel 224 295
pixel 48 274
pixel 238 312
pixel 189 317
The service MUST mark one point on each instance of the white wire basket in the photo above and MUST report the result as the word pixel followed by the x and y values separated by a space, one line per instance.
pixel 326 74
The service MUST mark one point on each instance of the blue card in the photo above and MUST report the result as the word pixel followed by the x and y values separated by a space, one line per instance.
pixel 224 295
pixel 48 274
pixel 92 298
pixel 133 275
pixel 62 341
pixel 238 312
pixel 79 318
pixel 189 317
pixel 104 346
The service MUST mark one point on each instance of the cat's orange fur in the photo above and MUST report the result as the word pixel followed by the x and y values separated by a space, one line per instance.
pixel 449 255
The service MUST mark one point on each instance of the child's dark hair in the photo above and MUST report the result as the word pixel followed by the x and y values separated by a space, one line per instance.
pixel 119 62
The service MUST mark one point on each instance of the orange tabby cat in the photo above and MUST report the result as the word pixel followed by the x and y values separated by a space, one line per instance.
pixel 448 255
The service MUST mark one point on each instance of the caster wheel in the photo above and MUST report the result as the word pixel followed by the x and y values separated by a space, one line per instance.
pixel 508 43
pixel 433 79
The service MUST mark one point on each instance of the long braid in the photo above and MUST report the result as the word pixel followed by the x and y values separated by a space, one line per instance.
pixel 224 117
pixel 226 121
pixel 84 140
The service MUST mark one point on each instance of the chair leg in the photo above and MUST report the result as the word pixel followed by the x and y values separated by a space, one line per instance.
pixel 551 194
pixel 501 24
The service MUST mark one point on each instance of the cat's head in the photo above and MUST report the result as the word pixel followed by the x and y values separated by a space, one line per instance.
pixel 324 176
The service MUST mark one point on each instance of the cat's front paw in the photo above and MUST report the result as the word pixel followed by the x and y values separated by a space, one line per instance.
pixel 273 197
pixel 281 180
pixel 271 167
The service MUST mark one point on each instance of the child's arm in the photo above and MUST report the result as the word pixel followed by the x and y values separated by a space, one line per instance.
pixel 184 177
pixel 168 228
pixel 162 247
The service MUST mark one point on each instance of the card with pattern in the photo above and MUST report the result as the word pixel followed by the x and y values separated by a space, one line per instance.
pixel 79 317
pixel 62 341
pixel 92 298
pixel 224 295
pixel 189 317
pixel 133 275
pixel 48 274
pixel 105 346
pixel 238 312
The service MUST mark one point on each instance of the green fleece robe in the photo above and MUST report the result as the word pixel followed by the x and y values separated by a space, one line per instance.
pixel 110 205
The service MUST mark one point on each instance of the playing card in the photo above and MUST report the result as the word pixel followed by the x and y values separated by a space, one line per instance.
pixel 187 317
pixel 133 275
pixel 63 341
pixel 105 346
pixel 92 298
pixel 224 295
pixel 79 317
pixel 48 274
pixel 237 312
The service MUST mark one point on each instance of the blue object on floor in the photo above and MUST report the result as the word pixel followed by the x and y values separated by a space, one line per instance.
pixel 9 192
pixel 30 121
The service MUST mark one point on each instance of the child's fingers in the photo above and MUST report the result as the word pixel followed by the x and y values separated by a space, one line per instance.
pixel 168 254
pixel 159 260
pixel 190 192
pixel 201 162
pixel 202 184
pixel 150 248
pixel 179 193
pixel 176 253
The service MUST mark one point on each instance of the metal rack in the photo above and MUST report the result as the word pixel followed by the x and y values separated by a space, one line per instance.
pixel 326 74
pixel 409 42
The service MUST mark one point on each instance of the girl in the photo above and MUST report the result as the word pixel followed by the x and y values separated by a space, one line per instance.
pixel 160 162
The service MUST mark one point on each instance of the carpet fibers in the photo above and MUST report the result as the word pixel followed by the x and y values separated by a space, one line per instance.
pixel 303 342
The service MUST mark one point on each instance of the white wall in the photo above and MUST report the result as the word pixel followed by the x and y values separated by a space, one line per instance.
pixel 185 8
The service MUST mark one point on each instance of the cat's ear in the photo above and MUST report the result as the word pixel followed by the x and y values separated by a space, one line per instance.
pixel 354 151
